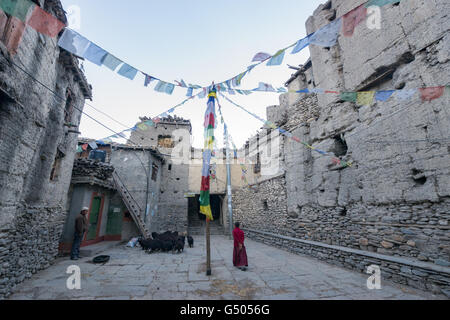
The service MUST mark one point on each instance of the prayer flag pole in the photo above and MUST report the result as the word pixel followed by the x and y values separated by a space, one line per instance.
pixel 205 204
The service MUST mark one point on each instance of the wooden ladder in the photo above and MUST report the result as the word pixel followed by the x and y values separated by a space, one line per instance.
pixel 132 205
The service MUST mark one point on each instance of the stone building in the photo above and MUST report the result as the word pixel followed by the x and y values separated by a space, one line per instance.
pixel 96 184
pixel 392 206
pixel 42 94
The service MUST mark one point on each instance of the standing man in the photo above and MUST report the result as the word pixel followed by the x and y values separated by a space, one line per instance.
pixel 239 252
pixel 81 226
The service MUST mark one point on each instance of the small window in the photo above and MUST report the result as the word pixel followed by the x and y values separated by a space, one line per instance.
pixel 170 167
pixel 68 111
pixel 266 205
pixel 165 142
pixel 56 167
pixel 154 172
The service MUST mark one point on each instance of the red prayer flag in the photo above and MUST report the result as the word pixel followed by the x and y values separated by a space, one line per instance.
pixel 45 23
pixel 431 93
pixel 13 33
pixel 352 19
pixel 84 146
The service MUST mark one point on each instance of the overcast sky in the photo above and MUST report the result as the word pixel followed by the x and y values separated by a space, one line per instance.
pixel 197 41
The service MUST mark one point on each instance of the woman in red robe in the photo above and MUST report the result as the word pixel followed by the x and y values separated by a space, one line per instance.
pixel 239 252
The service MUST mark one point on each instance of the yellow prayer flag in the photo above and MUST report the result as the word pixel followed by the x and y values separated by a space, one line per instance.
pixel 365 98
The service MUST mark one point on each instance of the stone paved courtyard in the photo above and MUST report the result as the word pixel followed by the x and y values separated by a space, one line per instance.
pixel 273 274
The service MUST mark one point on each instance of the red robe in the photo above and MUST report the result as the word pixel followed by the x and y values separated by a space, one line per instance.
pixel 239 255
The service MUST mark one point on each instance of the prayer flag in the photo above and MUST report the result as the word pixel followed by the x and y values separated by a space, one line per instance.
pixel 209 124
pixel 365 98
pixel 189 92
pixel 265 87
pixel 380 3
pixel 384 95
pixel 111 62
pixel 45 23
pixel 127 71
pixel 148 79
pixel 95 54
pixel 231 91
pixel 17 8
pixel 301 44
pixel 405 94
pixel 74 43
pixel 261 56
pixel 317 90
pixel 277 59
pixel 352 19
pixel 349 96
pixel 431 93
pixel 327 35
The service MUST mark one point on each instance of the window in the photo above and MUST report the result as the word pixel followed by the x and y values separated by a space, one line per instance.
pixel 68 111
pixel 56 166
pixel 165 142
pixel 257 168
pixel 154 172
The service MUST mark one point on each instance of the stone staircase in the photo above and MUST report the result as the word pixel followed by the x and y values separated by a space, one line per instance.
pixel 197 227
pixel 132 206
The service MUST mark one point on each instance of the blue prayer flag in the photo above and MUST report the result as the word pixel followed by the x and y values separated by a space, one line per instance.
pixel 301 44
pixel 327 35
pixel 95 54
pixel 111 62
pixel 384 95
pixel 127 71
pixel 277 59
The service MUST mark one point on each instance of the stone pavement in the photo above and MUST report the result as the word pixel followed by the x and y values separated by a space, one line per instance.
pixel 273 274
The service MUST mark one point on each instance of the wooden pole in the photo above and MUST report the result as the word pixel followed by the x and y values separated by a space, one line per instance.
pixel 208 248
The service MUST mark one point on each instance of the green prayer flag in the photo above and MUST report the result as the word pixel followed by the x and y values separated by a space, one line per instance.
pixel 349 96
pixel 17 8
pixel 380 3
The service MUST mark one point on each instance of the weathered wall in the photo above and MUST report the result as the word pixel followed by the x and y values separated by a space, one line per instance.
pixel 32 135
pixel 134 167
pixel 395 199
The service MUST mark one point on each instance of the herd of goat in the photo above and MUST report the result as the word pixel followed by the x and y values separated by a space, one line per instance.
pixel 165 242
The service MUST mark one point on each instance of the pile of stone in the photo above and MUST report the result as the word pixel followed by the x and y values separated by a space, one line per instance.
pixel 92 168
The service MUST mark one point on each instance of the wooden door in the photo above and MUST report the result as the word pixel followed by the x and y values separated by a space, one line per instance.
pixel 94 218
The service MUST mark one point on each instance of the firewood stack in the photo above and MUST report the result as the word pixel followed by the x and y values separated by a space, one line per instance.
pixel 92 168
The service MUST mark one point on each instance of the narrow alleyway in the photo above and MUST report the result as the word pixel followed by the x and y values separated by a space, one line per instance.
pixel 273 274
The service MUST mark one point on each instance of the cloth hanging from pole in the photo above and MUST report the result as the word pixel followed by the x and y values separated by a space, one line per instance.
pixel 210 123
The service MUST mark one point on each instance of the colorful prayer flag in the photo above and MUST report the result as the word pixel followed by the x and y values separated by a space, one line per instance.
pixel 352 19
pixel 74 43
pixel 17 8
pixel 405 94
pixel 148 79
pixel 261 56
pixel 189 92
pixel 209 125
pixel 384 95
pixel 380 3
pixel 111 62
pixel 277 59
pixel 365 98
pixel 349 96
pixel 45 23
pixel 431 93
pixel 327 35
pixel 95 54
pixel 265 87
pixel 127 71
pixel 301 44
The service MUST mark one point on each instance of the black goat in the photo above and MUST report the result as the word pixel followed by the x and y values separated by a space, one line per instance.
pixel 190 242
pixel 179 245
pixel 149 245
